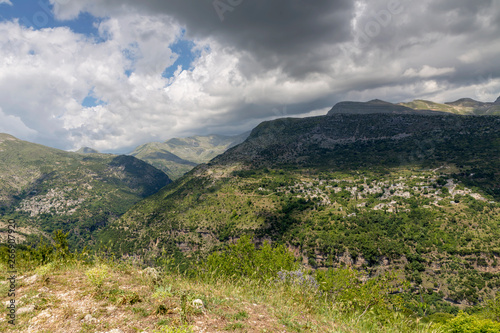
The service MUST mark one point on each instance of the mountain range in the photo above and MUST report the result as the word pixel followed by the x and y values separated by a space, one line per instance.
pixel 45 189
pixel 464 106
pixel 414 192
pixel 372 185
pixel 179 155
pixel 377 106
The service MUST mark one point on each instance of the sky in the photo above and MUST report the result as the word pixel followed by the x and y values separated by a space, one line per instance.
pixel 114 74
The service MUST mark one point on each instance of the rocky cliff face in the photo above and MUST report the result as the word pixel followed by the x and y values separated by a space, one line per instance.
pixel 319 140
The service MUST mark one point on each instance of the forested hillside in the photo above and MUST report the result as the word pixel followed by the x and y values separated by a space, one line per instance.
pixel 46 189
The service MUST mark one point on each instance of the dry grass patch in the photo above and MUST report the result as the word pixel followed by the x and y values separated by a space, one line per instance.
pixel 66 299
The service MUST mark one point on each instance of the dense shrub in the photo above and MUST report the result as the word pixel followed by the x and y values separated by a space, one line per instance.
pixel 493 307
pixel 464 323
pixel 244 260
pixel 353 292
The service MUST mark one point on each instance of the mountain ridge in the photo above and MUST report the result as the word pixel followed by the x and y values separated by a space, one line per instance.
pixel 177 156
pixel 462 106
pixel 376 106
pixel 392 190
pixel 44 188
pixel 87 150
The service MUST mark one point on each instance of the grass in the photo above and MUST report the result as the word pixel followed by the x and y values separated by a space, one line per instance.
pixel 78 293
pixel 127 301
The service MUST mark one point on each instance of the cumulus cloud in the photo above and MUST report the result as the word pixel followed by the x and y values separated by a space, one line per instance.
pixel 264 60
pixel 7 2
pixel 47 73
pixel 274 32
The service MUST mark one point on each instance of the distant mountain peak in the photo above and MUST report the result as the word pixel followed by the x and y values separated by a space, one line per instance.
pixel 378 101
pixel 375 106
pixel 463 106
pixel 87 150
pixel 466 102
pixel 179 155
pixel 462 100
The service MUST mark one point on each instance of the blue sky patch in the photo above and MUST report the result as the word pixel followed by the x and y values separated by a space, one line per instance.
pixel 38 15
pixel 90 101
pixel 184 48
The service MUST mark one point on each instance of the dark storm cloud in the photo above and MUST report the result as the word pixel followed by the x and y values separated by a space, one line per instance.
pixel 412 21
pixel 263 59
pixel 281 33
pixel 441 34
pixel 279 26
pixel 302 37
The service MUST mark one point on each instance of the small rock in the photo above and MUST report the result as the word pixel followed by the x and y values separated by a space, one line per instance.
pixel 31 279
pixel 151 273
pixel 26 309
pixel 111 308
pixel 198 303
pixel 89 319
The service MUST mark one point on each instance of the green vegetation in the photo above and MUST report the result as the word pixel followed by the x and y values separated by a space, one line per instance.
pixel 97 275
pixel 242 261
pixel 447 249
pixel 383 222
pixel 423 204
pixel 45 189
pixel 465 323
pixel 206 297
